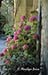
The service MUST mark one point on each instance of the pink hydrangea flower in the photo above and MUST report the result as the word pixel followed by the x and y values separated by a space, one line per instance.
pixel 27 27
pixel 15 33
pixel 22 18
pixel 25 46
pixel 20 24
pixel 18 31
pixel 33 18
pixel 35 36
pixel 15 37
pixel 9 38
pixel 13 47
pixel 5 51
pixel 7 61
pixel 1 54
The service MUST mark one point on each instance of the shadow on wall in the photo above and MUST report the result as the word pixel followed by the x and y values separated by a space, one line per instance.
pixel 43 69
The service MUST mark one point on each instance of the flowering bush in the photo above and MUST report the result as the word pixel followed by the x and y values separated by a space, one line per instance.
pixel 21 49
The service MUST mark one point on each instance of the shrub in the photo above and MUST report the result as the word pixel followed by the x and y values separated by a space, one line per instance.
pixel 21 49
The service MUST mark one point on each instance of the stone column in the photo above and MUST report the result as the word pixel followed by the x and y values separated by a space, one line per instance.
pixel 44 50
pixel 31 5
pixel 35 4
pixel 20 9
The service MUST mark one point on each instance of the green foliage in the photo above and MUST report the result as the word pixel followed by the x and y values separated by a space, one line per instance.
pixel 8 29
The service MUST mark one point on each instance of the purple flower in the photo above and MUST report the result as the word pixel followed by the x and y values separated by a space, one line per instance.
pixel 27 27
pixel 22 18
pixel 35 36
pixel 18 31
pixel 33 18
pixel 9 38
pixel 13 47
pixel 20 24
pixel 7 61
pixel 15 33
pixel 15 37
pixel 1 54
pixel 5 50
pixel 25 46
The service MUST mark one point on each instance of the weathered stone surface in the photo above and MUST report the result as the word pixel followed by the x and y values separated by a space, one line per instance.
pixel 44 50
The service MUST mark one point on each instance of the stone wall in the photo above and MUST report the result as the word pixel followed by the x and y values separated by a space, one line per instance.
pixel 44 50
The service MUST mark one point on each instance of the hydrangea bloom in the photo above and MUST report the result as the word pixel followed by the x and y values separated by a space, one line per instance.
pixel 13 47
pixel 27 27
pixel 5 50
pixel 9 38
pixel 7 61
pixel 15 33
pixel 15 37
pixel 22 18
pixel 20 24
pixel 18 31
pixel 1 54
pixel 35 36
pixel 25 46
pixel 33 18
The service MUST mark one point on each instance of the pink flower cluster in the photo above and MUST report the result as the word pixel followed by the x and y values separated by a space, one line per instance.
pixel 4 52
pixel 1 54
pixel 27 27
pixel 13 47
pixel 15 37
pixel 35 36
pixel 33 18
pixel 22 18
pixel 17 32
pixel 20 24
pixel 25 46
pixel 7 61
pixel 9 39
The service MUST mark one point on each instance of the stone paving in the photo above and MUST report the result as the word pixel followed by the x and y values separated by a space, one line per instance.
pixel 2 46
